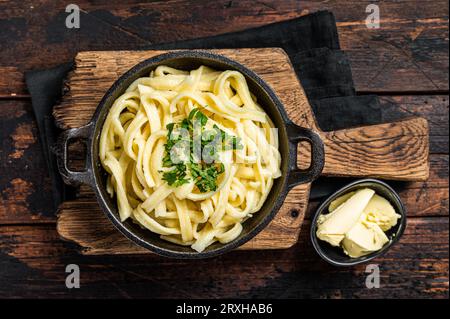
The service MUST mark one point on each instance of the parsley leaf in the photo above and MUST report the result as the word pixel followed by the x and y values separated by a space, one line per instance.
pixel 205 173
pixel 177 176
pixel 205 176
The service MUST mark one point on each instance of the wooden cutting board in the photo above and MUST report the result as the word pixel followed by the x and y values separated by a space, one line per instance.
pixel 396 151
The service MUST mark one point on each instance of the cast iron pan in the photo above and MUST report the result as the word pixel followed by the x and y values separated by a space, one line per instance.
pixel 289 136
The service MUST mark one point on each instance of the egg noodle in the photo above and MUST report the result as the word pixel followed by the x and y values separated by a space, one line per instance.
pixel 191 202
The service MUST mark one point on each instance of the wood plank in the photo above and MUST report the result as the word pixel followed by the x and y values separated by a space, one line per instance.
pixel 438 174
pixel 25 189
pixel 408 53
pixel 12 83
pixel 120 26
pixel 104 67
pixel 33 259
pixel 434 108
pixel 395 151
pixel 400 56
pixel 426 202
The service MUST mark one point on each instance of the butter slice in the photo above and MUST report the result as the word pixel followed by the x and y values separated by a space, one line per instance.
pixel 364 238
pixel 339 201
pixel 333 226
pixel 381 212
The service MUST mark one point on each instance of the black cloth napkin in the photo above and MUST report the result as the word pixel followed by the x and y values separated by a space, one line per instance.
pixel 316 30
pixel 335 78
pixel 45 88
pixel 347 111
pixel 312 44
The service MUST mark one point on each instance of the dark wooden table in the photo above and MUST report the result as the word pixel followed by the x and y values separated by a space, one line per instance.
pixel 405 62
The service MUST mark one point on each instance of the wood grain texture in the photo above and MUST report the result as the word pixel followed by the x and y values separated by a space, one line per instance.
pixel 432 107
pixel 12 83
pixel 416 267
pixel 408 52
pixel 396 150
pixel 25 189
pixel 405 62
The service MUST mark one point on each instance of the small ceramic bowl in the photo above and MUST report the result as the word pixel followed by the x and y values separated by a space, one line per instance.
pixel 336 255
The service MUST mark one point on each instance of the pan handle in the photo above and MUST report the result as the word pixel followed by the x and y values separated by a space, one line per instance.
pixel 69 176
pixel 298 134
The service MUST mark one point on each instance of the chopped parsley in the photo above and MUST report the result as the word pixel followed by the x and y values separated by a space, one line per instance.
pixel 177 176
pixel 205 175
pixel 180 137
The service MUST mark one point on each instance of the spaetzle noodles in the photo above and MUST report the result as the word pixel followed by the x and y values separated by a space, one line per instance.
pixel 195 198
